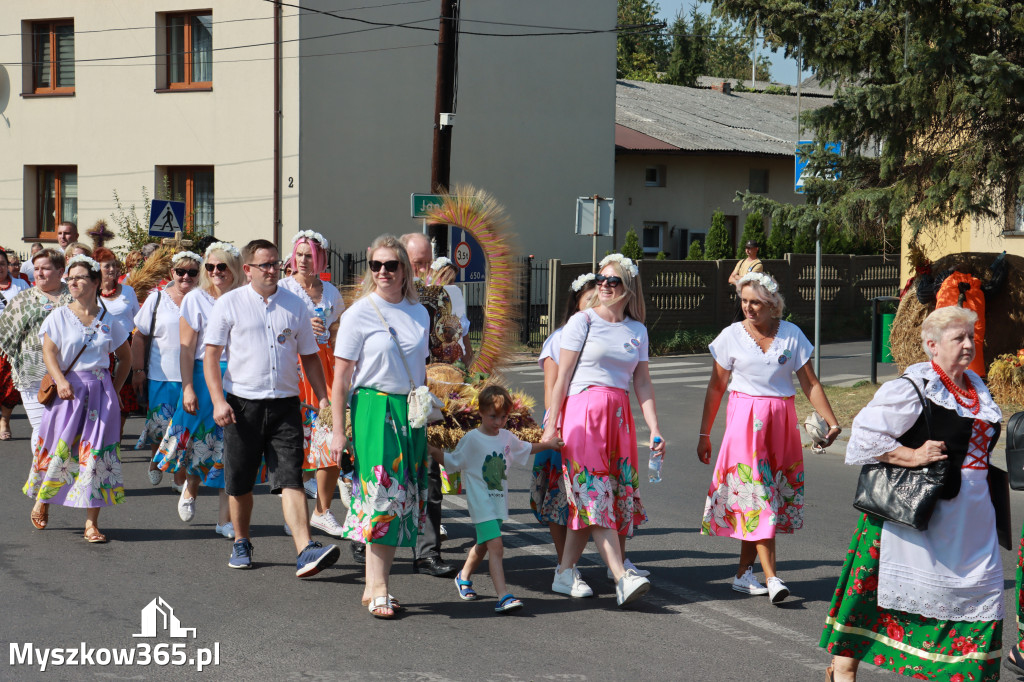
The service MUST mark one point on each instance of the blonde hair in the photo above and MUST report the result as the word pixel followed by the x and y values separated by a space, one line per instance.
pixel 775 300
pixel 632 291
pixel 390 241
pixel 69 250
pixel 442 276
pixel 941 319
pixel 234 264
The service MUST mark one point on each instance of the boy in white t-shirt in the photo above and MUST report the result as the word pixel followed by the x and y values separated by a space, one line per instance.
pixel 482 456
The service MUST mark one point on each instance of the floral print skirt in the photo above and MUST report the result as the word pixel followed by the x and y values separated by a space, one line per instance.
pixel 547 489
pixel 76 460
pixel 757 488
pixel 905 643
pixel 316 444
pixel 164 396
pixel 599 461
pixel 389 492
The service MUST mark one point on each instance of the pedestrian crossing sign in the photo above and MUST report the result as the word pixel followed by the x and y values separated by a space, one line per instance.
pixel 166 217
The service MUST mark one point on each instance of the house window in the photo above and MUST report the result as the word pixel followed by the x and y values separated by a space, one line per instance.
pixel 653 236
pixel 194 186
pixel 53 57
pixel 190 50
pixel 56 198
pixel 758 181
pixel 654 176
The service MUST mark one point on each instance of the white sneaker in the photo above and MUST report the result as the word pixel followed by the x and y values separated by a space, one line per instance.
pixel 628 565
pixel 326 522
pixel 630 588
pixel 310 488
pixel 747 583
pixel 345 491
pixel 155 476
pixel 777 590
pixel 287 530
pixel 186 507
pixel 442 533
pixel 227 530
pixel 570 582
pixel 175 487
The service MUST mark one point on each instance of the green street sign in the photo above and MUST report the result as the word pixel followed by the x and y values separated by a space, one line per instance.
pixel 422 203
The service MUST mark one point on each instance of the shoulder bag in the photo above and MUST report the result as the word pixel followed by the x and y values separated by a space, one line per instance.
pixel 48 387
pixel 1015 450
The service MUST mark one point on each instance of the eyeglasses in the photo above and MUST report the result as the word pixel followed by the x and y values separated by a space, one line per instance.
pixel 266 267
pixel 192 272
pixel 219 267
pixel 612 282
pixel 389 265
pixel 79 278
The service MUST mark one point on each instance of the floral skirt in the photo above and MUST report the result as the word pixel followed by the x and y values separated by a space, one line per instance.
pixel 76 460
pixel 599 461
pixel 757 488
pixel 389 492
pixel 547 489
pixel 317 439
pixel 9 396
pixel 163 397
pixel 905 643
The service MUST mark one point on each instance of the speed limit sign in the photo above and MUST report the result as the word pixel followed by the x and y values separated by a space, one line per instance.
pixel 462 254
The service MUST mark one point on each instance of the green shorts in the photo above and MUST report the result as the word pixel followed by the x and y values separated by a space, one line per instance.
pixel 488 530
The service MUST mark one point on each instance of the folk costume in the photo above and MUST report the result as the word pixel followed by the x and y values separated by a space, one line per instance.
pixel 547 486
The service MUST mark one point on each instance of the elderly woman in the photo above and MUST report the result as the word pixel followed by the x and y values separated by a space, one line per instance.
pixel 602 349
pixel 925 603
pixel 77 462
pixel 10 286
pixel 382 346
pixel 120 302
pixel 757 487
pixel 442 272
pixel 158 376
pixel 19 330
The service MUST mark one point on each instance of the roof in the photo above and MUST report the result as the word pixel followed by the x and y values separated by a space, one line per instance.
pixel 677 119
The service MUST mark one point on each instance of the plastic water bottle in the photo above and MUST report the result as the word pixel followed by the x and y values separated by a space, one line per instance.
pixel 322 314
pixel 654 464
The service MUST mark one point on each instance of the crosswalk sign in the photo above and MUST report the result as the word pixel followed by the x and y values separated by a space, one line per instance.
pixel 165 217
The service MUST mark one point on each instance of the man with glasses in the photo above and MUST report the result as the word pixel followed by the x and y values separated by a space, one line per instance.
pixel 263 328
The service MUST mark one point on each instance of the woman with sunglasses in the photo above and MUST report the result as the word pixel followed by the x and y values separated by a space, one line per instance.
pixel 193 443
pixel 158 376
pixel 323 300
pixel 603 348
pixel 120 301
pixel 382 347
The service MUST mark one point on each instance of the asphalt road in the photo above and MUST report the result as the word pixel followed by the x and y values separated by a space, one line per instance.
pixel 58 591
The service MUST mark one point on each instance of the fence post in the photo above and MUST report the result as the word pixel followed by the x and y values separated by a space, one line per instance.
pixel 554 285
pixel 346 268
pixel 524 329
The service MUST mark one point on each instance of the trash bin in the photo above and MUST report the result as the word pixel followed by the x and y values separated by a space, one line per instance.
pixel 881 328
pixel 885 351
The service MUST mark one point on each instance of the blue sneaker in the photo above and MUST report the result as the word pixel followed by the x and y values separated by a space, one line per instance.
pixel 315 558
pixel 241 554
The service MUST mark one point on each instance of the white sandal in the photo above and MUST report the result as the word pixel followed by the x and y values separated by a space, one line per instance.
pixel 381 603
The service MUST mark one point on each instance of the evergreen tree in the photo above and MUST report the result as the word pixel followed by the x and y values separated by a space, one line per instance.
pixel 780 240
pixel 753 229
pixel 696 251
pixel 640 54
pixel 689 58
pixel 717 245
pixel 631 246
pixel 804 238
pixel 710 46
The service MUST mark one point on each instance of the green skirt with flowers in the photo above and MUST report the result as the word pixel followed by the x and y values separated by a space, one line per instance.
pixel 906 643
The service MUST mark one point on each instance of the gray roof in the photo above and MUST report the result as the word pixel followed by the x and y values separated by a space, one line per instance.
pixel 695 119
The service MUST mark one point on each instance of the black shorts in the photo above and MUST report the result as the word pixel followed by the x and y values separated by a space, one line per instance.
pixel 271 429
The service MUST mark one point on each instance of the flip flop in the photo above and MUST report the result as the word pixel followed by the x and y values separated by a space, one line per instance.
pixel 40 518
pixel 508 603
pixel 378 604
pixel 1015 661
pixel 465 588
pixel 395 606
pixel 93 534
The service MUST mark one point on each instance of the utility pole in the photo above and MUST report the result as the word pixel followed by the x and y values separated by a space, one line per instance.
pixel 444 104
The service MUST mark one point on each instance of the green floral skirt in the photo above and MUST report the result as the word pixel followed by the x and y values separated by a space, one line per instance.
pixel 905 643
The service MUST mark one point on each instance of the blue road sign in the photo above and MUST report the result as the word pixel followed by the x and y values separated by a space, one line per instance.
pixel 165 217
pixel 468 256
pixel 800 165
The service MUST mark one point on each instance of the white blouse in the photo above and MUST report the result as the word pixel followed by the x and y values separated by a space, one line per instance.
pixel 165 344
pixel 124 306
pixel 610 351
pixel 99 339
pixel 329 308
pixel 552 348
pixel 762 373
pixel 17 286
pixel 196 308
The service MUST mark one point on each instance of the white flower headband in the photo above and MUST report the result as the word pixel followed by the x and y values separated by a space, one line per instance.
pixel 770 285
pixel 186 254
pixel 314 236
pixel 82 259
pixel 581 281
pixel 224 246
pixel 440 263
pixel 624 263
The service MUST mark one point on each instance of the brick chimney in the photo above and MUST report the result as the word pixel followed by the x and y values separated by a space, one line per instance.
pixel 725 87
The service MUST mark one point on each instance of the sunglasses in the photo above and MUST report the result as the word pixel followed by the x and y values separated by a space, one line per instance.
pixel 612 282
pixel 219 267
pixel 389 265
pixel 192 272
pixel 266 267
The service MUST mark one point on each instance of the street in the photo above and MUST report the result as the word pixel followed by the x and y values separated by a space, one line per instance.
pixel 59 591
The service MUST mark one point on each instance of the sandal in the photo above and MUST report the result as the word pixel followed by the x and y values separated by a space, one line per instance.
pixel 508 603
pixel 1015 661
pixel 379 607
pixel 93 534
pixel 395 606
pixel 465 588
pixel 40 517
pixel 830 674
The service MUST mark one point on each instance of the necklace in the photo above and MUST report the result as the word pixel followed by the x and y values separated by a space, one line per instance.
pixel 5 287
pixel 112 294
pixel 968 399
pixel 758 336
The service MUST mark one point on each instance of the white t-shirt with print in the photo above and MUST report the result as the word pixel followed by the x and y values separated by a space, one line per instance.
pixel 67 331
pixel 165 344
pixel 611 352
pixel 754 372
pixel 483 461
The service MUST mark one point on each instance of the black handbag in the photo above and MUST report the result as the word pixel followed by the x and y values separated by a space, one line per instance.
pixel 901 494
pixel 1015 450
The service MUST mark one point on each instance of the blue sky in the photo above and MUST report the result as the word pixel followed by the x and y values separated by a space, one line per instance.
pixel 783 70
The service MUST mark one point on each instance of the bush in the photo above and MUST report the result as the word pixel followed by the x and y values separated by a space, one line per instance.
pixel 804 239
pixel 696 251
pixel 682 341
pixel 753 230
pixel 661 256
pixel 780 240
pixel 631 246
pixel 717 245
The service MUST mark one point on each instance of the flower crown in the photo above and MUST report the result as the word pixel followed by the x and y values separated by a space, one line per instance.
pixel 624 263
pixel 186 254
pixel 82 259
pixel 311 235
pixel 440 263
pixel 769 284
pixel 581 281
pixel 225 247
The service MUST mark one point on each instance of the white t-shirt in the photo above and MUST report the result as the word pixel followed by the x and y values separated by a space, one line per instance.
pixel 29 271
pixel 611 353
pixel 262 340
pixel 363 338
pixel 165 345
pixel 18 285
pixel 483 460
pixel 67 331
pixel 330 303
pixel 552 348
pixel 760 373
pixel 124 306
pixel 196 308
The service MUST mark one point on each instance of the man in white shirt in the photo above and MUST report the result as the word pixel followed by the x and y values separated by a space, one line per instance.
pixel 263 328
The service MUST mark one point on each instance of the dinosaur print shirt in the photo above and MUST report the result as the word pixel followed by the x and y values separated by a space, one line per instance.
pixel 483 460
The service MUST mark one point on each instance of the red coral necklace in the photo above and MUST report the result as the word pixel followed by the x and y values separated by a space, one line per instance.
pixel 967 399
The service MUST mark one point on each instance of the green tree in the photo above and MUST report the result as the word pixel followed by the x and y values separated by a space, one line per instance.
pixel 753 229
pixel 631 246
pixel 780 240
pixel 696 251
pixel 804 238
pixel 688 59
pixel 640 53
pixel 718 244
pixel 710 46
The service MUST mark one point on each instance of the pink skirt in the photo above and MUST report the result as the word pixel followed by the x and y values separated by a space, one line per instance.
pixel 599 462
pixel 757 489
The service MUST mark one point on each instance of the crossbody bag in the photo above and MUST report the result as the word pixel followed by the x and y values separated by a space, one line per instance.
pixel 48 387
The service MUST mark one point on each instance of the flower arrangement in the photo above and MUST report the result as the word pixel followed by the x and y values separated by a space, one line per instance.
pixel 84 260
pixel 1006 378
pixel 225 247
pixel 625 263
pixel 770 285
pixel 312 236
pixel 189 255
pixel 581 281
